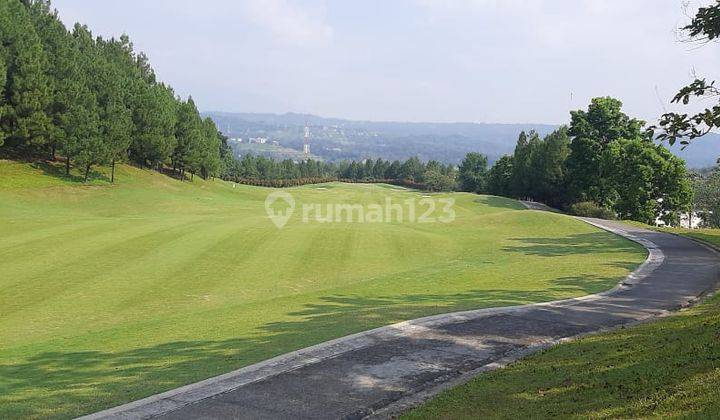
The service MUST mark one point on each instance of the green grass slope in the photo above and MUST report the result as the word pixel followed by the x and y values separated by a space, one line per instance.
pixel 111 293
pixel 667 368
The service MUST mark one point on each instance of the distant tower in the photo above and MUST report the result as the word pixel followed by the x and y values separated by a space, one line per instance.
pixel 306 146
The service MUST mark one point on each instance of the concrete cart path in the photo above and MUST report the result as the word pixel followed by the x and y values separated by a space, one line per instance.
pixel 385 371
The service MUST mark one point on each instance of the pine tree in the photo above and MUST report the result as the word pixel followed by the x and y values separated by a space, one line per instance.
pixel 189 135
pixel 27 88
pixel 210 160
pixel 521 167
pixel 61 59
pixel 154 117
pixel 3 81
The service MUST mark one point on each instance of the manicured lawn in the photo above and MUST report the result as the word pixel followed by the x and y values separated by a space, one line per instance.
pixel 111 293
pixel 667 368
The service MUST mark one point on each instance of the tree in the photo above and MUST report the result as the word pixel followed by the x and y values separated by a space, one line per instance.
pixel 116 128
pixel 522 178
pixel 154 117
pixel 591 133
pixel 393 171
pixel 62 68
pixel 604 122
pixel 85 143
pixel 472 173
pixel 3 80
pixel 707 198
pixel 210 150
pixel 381 168
pixel 548 162
pixel 412 170
pixel 703 28
pixel 435 180
pixel 27 92
pixel 113 84
pixel 649 181
pixel 500 176
pixel 369 169
pixel 188 133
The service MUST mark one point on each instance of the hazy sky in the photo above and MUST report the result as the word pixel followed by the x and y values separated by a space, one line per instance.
pixel 410 60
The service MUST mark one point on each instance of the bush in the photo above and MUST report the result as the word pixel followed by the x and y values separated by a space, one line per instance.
pixel 591 209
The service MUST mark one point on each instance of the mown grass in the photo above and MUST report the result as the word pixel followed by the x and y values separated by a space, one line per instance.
pixel 111 293
pixel 667 368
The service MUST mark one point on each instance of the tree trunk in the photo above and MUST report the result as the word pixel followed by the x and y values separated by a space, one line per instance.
pixel 192 175
pixel 53 149
pixel 112 172
pixel 67 164
pixel 87 172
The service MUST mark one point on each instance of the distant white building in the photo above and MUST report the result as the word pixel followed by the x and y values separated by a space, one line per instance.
pixel 692 220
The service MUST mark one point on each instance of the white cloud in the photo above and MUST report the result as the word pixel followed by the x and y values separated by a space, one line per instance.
pixel 288 23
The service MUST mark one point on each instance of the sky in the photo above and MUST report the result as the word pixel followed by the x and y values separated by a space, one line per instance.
pixel 494 61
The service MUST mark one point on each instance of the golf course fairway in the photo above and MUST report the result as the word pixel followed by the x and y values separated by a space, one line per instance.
pixel 111 293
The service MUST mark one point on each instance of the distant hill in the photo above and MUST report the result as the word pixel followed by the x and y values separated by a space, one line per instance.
pixel 336 139
pixel 702 153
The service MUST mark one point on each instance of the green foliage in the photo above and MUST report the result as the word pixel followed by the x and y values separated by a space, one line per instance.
pixel 548 168
pixel 648 181
pixel 259 170
pixel 500 177
pixel 590 209
pixel 154 118
pixel 707 197
pixel 412 170
pixel 704 27
pixel 592 131
pixel 472 173
pixel 437 181
pixel 27 87
pixel 189 135
pixel 604 122
pixel 3 81
pixel 609 161
pixel 94 100
pixel 521 177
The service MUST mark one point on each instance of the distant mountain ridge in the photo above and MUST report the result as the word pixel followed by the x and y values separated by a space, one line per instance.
pixel 338 139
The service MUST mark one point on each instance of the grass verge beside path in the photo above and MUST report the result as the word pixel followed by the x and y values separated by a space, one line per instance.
pixel 666 368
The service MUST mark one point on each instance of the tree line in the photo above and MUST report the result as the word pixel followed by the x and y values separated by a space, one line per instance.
pixel 263 171
pixel 93 101
pixel 604 160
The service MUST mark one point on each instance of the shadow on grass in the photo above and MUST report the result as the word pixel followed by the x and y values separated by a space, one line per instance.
pixel 57 170
pixel 581 243
pixel 499 202
pixel 75 383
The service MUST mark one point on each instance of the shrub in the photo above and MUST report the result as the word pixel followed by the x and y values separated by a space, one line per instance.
pixel 591 209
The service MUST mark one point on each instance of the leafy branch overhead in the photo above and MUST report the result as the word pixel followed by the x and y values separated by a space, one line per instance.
pixel 682 127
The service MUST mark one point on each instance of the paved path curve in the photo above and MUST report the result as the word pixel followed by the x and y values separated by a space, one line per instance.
pixel 384 371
